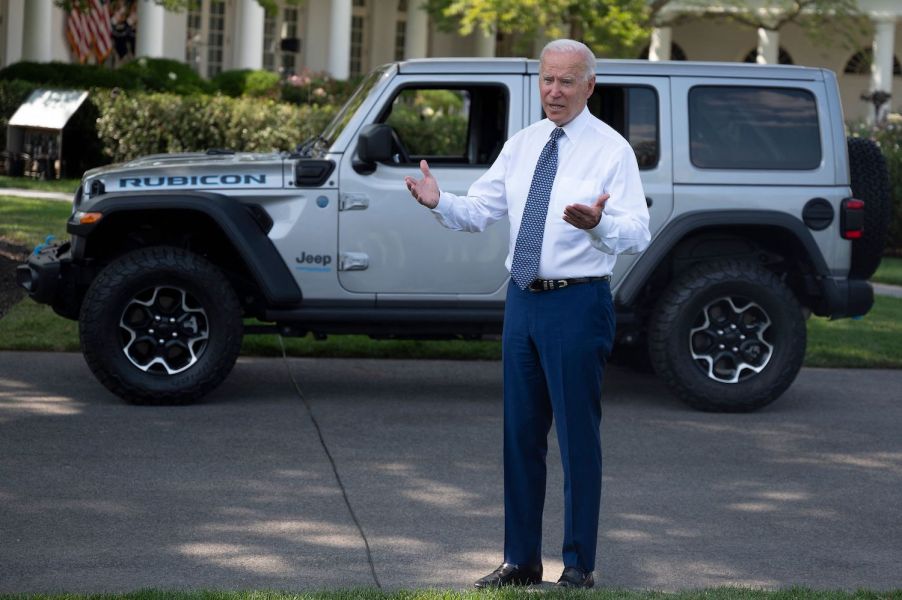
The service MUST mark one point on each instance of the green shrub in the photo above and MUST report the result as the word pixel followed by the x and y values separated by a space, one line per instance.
pixel 262 84
pixel 889 137
pixel 133 125
pixel 66 75
pixel 317 88
pixel 231 83
pixel 165 75
pixel 12 94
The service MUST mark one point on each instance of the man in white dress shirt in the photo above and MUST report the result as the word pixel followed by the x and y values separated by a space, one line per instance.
pixel 570 187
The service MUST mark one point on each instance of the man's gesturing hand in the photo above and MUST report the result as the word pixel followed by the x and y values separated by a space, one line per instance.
pixel 585 217
pixel 425 191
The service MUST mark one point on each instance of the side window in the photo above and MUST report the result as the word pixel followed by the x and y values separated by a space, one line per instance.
pixel 753 128
pixel 633 112
pixel 452 126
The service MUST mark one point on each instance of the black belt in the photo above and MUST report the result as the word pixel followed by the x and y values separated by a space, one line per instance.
pixel 544 285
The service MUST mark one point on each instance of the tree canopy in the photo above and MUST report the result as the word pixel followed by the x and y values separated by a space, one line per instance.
pixel 618 27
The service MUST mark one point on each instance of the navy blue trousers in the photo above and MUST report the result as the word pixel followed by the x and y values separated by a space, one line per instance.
pixel 554 348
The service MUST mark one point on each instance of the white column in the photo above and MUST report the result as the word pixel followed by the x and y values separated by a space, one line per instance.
pixel 416 35
pixel 661 40
pixel 485 43
pixel 15 26
pixel 316 43
pixel 385 18
pixel 882 67
pixel 149 34
pixel 340 39
pixel 37 42
pixel 249 35
pixel 768 46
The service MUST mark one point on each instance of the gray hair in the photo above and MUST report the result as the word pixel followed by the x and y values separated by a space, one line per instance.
pixel 574 47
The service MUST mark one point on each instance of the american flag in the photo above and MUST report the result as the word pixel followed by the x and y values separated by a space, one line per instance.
pixel 90 31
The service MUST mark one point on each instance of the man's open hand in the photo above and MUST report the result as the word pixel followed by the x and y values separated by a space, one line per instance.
pixel 425 190
pixel 585 217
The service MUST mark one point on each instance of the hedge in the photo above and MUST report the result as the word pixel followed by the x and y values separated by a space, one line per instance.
pixel 132 125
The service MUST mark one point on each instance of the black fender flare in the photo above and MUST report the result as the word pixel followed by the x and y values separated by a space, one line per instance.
pixel 246 232
pixel 662 244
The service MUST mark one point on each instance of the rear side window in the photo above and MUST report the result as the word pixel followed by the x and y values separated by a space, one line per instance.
pixel 753 128
pixel 633 112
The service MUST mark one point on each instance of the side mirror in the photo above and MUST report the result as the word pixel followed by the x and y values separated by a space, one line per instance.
pixel 374 145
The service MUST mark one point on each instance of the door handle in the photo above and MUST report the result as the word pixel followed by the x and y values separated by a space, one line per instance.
pixel 354 202
pixel 353 261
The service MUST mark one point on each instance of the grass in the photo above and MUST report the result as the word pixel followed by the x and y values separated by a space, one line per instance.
pixel 28 221
pixel 65 186
pixel 890 271
pixel 874 341
pixel 721 593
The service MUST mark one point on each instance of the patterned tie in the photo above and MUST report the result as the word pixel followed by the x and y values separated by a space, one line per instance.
pixel 528 250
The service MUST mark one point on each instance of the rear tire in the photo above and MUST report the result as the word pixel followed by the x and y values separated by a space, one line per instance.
pixel 870 183
pixel 727 336
pixel 160 325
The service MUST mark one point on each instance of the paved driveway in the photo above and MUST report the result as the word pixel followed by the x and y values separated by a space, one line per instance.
pixel 239 492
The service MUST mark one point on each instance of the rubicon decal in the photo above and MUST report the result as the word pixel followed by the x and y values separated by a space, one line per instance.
pixel 192 180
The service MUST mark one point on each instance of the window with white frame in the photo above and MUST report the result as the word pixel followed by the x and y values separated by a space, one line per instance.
pixel 359 38
pixel 401 30
pixel 282 44
pixel 207 36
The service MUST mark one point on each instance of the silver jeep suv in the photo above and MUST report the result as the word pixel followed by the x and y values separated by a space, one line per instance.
pixel 762 213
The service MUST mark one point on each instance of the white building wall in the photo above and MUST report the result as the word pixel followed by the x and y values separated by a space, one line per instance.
pixel 13 28
pixel 175 26
pixel 59 45
pixel 316 44
pixel 384 24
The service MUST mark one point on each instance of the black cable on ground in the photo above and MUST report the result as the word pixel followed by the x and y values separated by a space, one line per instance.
pixel 322 441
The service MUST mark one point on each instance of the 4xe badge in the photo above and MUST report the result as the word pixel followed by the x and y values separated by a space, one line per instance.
pixel 316 263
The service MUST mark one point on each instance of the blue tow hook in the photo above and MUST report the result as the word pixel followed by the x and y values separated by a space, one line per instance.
pixel 44 244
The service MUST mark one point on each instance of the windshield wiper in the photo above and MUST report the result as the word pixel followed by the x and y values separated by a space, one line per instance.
pixel 309 144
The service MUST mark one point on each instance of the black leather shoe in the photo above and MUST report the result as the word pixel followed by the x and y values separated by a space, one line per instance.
pixel 508 574
pixel 576 578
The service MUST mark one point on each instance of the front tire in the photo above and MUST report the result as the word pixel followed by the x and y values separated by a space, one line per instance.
pixel 727 336
pixel 160 325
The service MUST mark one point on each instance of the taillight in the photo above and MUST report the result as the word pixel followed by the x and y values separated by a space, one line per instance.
pixel 851 219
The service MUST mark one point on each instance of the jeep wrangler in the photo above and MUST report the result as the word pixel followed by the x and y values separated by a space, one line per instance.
pixel 762 213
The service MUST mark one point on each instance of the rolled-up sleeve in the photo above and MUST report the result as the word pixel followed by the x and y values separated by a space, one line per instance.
pixel 623 228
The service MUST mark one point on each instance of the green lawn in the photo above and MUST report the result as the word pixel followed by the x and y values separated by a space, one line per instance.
pixel 890 271
pixel 66 186
pixel 874 341
pixel 28 221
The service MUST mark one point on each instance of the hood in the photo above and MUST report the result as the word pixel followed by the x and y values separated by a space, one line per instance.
pixel 189 171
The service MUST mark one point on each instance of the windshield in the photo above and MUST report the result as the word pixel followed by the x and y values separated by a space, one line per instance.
pixel 340 121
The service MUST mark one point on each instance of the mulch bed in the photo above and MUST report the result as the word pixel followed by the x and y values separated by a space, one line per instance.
pixel 10 256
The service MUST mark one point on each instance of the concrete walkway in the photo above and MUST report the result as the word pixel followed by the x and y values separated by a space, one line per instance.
pixel 289 472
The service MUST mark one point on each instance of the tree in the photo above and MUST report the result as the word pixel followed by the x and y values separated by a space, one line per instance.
pixel 824 21
pixel 619 27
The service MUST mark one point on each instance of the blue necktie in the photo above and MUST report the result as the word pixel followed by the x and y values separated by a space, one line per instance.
pixel 528 250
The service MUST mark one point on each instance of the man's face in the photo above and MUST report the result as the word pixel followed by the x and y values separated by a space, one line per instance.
pixel 563 87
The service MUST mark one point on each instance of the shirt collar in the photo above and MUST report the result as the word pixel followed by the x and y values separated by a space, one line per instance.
pixel 576 126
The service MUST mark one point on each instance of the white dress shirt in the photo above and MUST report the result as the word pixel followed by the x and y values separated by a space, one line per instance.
pixel 592 159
